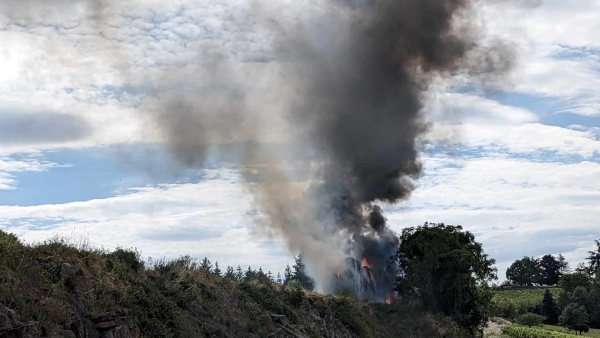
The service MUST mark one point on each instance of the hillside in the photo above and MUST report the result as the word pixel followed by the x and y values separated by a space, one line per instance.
pixel 55 289
pixel 510 302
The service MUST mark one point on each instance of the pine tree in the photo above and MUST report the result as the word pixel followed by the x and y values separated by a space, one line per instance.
pixel 217 270
pixel 549 309
pixel 279 280
pixel 206 265
pixel 300 274
pixel 270 276
pixel 250 274
pixel 287 274
pixel 230 273
pixel 239 274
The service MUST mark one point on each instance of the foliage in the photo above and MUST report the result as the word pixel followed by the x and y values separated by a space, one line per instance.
pixel 54 282
pixel 300 274
pixel 592 333
pixel 287 275
pixel 594 260
pixel 510 303
pixel 573 316
pixel 524 272
pixel 552 268
pixel 570 282
pixel 444 268
pixel 530 319
pixel 517 331
pixel 132 258
pixel 549 308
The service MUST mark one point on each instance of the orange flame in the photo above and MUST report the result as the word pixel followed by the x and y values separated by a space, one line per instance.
pixel 388 300
pixel 365 263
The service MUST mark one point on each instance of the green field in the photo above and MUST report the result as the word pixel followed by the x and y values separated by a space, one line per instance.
pixel 513 302
pixel 545 331
pixel 592 333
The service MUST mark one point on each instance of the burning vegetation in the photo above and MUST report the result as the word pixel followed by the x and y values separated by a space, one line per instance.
pixel 350 80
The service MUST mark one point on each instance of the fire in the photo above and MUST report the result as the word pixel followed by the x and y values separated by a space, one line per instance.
pixel 388 300
pixel 364 264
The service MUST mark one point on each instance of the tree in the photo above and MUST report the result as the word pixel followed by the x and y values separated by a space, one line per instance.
pixel 239 274
pixel 524 272
pixel 249 275
pixel 279 280
pixel 581 328
pixel 217 271
pixel 551 269
pixel 530 319
pixel 206 265
pixel 300 274
pixel 571 281
pixel 594 259
pixel 270 276
pixel 230 273
pixel 573 316
pixel 444 268
pixel 549 309
pixel 287 275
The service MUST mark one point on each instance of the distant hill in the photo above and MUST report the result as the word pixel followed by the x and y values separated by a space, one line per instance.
pixel 54 289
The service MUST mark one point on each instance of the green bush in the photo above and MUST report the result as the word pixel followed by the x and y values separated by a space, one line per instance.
pixel 530 319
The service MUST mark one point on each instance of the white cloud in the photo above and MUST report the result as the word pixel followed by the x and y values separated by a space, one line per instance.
pixel 54 60
pixel 8 167
pixel 516 207
pixel 210 219
pixel 559 50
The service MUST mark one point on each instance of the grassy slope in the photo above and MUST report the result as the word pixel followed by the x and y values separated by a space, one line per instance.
pixel 592 333
pixel 53 282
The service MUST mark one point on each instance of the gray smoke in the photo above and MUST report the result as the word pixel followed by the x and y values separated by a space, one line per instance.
pixel 359 71
pixel 341 88
pixel 344 86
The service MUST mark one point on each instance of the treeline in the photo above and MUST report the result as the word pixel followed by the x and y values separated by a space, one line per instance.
pixel 292 276
pixel 577 306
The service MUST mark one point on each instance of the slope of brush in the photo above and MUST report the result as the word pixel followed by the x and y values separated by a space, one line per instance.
pixel 54 289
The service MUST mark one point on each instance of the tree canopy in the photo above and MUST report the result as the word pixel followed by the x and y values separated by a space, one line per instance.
pixel 524 272
pixel 445 268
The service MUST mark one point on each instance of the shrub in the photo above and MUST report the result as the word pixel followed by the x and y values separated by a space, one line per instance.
pixel 530 319
pixel 130 257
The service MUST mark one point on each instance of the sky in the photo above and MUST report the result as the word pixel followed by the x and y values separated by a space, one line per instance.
pixel 521 168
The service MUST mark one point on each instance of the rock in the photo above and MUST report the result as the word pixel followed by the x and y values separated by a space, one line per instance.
pixel 31 329
pixel 103 326
pixel 5 322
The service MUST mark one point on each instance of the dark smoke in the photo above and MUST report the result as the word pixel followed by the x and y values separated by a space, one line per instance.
pixel 359 70
pixel 342 84
pixel 345 84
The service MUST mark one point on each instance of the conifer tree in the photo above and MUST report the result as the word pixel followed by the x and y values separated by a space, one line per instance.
pixel 230 273
pixel 217 271
pixel 300 274
pixel 549 309
pixel 239 274
pixel 287 275
pixel 250 274
pixel 206 265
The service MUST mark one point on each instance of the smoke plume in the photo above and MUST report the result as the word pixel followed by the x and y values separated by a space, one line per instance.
pixel 345 86
pixel 340 88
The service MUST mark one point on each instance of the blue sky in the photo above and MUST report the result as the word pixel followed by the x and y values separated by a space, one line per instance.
pixel 521 170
